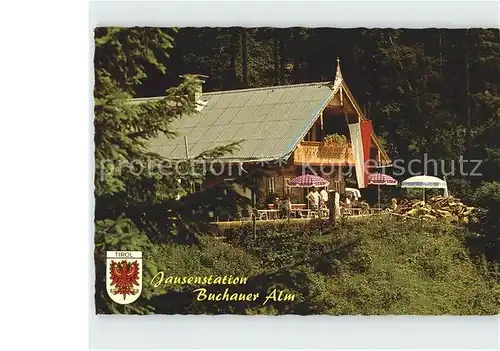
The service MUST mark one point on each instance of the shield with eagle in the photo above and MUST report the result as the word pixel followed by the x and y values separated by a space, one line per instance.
pixel 124 275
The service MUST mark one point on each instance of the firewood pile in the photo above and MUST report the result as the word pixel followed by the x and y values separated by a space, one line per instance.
pixel 449 209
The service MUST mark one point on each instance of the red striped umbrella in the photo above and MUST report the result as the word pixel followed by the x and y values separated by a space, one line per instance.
pixel 381 179
pixel 308 181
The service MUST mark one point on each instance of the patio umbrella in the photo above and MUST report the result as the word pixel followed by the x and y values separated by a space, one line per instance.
pixel 424 182
pixel 381 179
pixel 308 181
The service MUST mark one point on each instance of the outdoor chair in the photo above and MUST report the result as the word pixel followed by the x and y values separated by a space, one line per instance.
pixel 262 216
pixel 313 214
pixel 324 211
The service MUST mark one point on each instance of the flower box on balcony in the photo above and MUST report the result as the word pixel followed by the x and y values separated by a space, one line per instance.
pixel 333 151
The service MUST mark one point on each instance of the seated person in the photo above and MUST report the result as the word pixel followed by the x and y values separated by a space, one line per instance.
pixel 348 201
pixel 342 200
pixel 394 205
pixel 363 204
pixel 277 203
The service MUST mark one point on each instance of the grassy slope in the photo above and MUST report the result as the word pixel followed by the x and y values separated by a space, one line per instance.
pixel 372 267
pixel 414 270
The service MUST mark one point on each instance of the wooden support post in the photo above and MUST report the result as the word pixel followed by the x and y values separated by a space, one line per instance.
pixel 186 146
pixel 254 226
pixel 331 208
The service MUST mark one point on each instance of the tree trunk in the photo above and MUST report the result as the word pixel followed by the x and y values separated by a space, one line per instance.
pixel 358 81
pixel 234 55
pixel 467 93
pixel 331 208
pixel 276 61
pixel 440 53
pixel 244 54
pixel 282 61
pixel 355 51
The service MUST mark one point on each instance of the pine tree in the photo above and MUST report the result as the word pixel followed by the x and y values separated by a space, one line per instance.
pixel 139 198
pixel 244 56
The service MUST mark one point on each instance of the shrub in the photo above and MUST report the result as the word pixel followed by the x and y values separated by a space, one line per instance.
pixel 487 197
pixel 369 266
pixel 336 139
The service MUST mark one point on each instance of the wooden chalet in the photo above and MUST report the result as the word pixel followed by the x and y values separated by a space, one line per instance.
pixel 282 130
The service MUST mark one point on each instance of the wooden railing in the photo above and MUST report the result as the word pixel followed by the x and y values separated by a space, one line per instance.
pixel 319 153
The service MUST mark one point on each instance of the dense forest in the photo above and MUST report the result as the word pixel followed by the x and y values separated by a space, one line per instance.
pixel 432 91
pixel 435 91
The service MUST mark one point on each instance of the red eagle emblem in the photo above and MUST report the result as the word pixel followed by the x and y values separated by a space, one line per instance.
pixel 124 276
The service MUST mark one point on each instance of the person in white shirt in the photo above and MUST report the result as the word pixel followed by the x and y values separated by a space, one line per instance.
pixel 313 198
pixel 337 204
pixel 348 201
pixel 324 196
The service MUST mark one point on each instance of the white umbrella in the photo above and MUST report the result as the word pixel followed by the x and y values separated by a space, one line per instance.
pixel 424 182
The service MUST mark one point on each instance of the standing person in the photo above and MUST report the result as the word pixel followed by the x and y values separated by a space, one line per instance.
pixel 337 203
pixel 324 196
pixel 313 198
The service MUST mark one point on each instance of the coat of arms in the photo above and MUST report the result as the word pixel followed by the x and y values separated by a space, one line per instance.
pixel 124 275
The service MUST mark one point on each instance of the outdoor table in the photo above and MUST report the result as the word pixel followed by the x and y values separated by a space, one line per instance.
pixel 298 207
pixel 262 214
pixel 268 214
pixel 297 210
pixel 302 213
pixel 352 211
pixel 295 213
pixel 273 214
pixel 325 212
pixel 309 213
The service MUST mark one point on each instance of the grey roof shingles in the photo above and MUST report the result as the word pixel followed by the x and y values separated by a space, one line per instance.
pixel 269 122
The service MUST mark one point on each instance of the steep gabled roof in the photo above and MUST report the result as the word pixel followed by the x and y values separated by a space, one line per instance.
pixel 269 122
pixel 384 157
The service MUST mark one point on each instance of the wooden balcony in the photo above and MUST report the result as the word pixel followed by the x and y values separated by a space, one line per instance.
pixel 318 153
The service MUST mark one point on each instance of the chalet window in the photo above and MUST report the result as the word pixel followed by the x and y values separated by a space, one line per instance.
pixel 336 185
pixel 271 186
